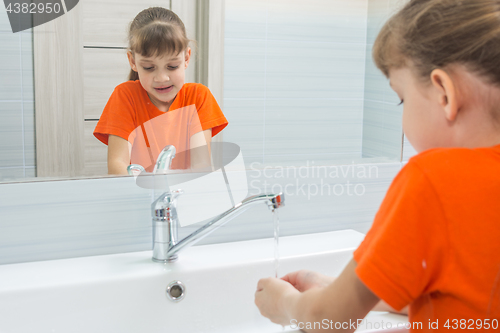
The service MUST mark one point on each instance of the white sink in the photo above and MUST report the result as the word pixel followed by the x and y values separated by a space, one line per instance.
pixel 125 293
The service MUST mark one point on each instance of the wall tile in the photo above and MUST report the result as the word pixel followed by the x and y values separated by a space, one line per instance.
pixel 408 150
pixel 11 135
pixel 246 119
pixel 11 174
pixel 10 66
pixel 377 86
pixel 244 68
pixel 30 173
pixel 16 94
pixel 245 19
pixel 29 133
pixel 311 159
pixel 382 130
pixel 4 21
pixel 325 201
pixel 378 13
pixel 336 21
pixel 315 70
pixel 313 127
pixel 63 219
pixel 27 64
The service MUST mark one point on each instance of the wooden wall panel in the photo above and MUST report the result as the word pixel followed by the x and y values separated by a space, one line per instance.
pixel 103 70
pixel 57 48
pixel 96 152
pixel 105 22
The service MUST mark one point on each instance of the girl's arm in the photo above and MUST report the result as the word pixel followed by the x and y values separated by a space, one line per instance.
pixel 343 301
pixel 200 150
pixel 383 306
pixel 118 155
pixel 304 279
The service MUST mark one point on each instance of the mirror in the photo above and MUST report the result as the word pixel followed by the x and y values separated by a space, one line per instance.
pixel 298 85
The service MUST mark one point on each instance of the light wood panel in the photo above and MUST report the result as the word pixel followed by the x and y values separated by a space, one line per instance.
pixel 96 152
pixel 103 70
pixel 106 22
pixel 215 61
pixel 186 10
pixel 57 47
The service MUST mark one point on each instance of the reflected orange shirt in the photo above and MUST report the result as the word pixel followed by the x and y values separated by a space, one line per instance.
pixel 131 115
pixel 435 241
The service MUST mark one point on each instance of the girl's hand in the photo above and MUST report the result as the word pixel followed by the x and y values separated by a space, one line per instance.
pixel 303 280
pixel 271 298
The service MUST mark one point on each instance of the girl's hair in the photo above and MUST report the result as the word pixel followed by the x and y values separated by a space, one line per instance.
pixel 156 31
pixel 430 34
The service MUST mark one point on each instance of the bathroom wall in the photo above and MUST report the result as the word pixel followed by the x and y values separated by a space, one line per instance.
pixel 301 85
pixel 382 131
pixel 292 110
pixel 74 218
pixel 17 126
pixel 294 79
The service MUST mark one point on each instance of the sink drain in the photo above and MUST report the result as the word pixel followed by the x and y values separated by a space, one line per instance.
pixel 176 291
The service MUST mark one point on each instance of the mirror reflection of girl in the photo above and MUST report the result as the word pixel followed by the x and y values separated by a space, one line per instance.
pixel 435 242
pixel 156 100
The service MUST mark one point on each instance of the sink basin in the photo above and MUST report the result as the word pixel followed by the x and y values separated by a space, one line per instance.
pixel 126 292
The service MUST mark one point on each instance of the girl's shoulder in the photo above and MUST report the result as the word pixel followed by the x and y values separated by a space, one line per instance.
pixel 130 92
pixel 194 93
pixel 192 88
pixel 129 86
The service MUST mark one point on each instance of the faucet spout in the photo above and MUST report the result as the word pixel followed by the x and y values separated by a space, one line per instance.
pixel 164 159
pixel 172 247
pixel 273 201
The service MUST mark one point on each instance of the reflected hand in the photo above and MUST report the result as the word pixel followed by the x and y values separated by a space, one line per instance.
pixel 304 279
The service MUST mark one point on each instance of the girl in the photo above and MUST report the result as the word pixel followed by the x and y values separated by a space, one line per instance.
pixel 434 244
pixel 155 107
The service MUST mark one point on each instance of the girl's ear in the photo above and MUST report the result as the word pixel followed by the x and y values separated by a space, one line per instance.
pixel 446 93
pixel 131 61
pixel 187 56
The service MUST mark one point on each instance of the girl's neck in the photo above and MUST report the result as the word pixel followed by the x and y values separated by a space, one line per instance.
pixel 162 106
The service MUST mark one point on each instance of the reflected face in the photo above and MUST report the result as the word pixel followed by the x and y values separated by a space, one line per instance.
pixel 161 77
pixel 424 121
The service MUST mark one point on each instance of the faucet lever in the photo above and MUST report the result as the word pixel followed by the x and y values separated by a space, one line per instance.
pixel 176 194
pixel 135 169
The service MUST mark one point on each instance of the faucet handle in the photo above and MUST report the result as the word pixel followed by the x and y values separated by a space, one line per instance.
pixel 176 193
pixel 135 169
pixel 164 201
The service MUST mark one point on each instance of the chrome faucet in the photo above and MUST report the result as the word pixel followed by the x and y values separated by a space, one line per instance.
pixel 165 220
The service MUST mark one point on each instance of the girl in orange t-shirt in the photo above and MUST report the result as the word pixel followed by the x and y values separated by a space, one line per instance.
pixel 435 242
pixel 156 107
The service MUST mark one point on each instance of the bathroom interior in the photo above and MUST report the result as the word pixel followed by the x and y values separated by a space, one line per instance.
pixel 313 118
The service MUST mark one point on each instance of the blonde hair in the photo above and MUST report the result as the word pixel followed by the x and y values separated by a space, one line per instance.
pixel 156 31
pixel 430 34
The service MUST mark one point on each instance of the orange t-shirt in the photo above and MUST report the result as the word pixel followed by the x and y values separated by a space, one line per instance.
pixel 435 241
pixel 131 115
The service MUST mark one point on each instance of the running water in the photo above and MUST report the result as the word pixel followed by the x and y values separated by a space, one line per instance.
pixel 276 241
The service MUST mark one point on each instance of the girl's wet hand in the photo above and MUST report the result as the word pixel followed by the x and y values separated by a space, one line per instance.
pixel 304 279
pixel 270 298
